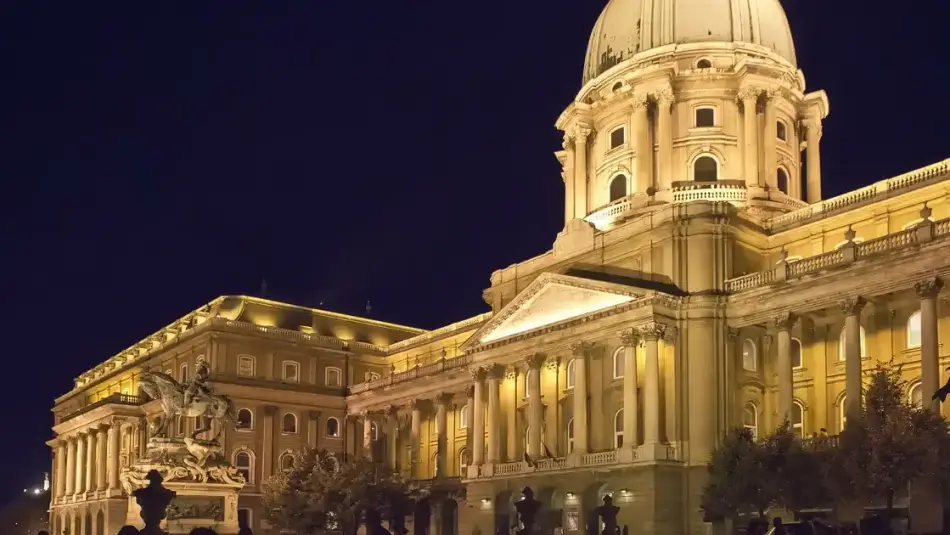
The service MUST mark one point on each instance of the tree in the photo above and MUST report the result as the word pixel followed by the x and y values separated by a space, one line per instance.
pixel 739 478
pixel 801 470
pixel 322 494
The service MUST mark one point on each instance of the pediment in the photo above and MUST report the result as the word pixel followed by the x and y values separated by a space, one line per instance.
pixel 549 300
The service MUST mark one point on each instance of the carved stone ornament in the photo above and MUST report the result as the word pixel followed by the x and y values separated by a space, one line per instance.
pixel 669 334
pixel 850 234
pixel 784 321
pixel 444 398
pixel 651 332
pixel 664 97
pixel 852 306
pixel 629 337
pixel 535 361
pixel 470 391
pixel 929 288
pixel 749 93
pixel 478 373
pixel 732 334
pixel 187 461
pixel 581 349
pixel 926 212
pixel 639 100
pixel 581 132
pixel 496 372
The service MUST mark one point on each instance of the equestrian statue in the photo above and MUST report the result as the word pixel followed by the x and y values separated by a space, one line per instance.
pixel 196 399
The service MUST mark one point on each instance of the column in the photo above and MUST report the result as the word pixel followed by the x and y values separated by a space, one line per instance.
pixel 113 454
pixel 644 163
pixel 495 374
pixel 813 158
pixel 61 469
pixel 784 323
pixel 630 408
pixel 80 463
pixel 271 429
pixel 443 402
pixel 750 99
pixel 392 437
pixel 580 171
pixel 478 416
pixel 651 334
pixel 91 449
pixel 579 352
pixel 568 175
pixel 730 413
pixel 367 435
pixel 415 434
pixel 769 140
pixel 928 290
pixel 852 352
pixel 664 127
pixel 313 428
pixel 535 408
pixel 101 458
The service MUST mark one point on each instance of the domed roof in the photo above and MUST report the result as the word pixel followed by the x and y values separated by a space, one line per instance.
pixel 628 27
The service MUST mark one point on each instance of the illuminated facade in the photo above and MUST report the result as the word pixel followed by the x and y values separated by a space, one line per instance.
pixel 700 282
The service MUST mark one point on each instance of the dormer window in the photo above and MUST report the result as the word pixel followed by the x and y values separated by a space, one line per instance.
pixel 705 117
pixel 781 131
pixel 618 137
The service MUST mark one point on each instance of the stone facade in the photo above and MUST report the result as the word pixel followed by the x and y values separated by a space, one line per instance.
pixel 700 283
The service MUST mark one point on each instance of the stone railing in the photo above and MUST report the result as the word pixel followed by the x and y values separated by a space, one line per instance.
pixel 573 462
pixel 732 191
pixel 599 458
pixel 846 255
pixel 112 399
pixel 604 216
pixel 412 374
pixel 873 193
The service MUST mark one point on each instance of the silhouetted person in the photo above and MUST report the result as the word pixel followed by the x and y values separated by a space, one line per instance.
pixel 129 530
pixel 202 531
pixel 942 392
pixel 42 532
pixel 244 530
pixel 777 524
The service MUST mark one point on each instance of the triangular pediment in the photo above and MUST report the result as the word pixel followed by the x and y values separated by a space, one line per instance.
pixel 549 300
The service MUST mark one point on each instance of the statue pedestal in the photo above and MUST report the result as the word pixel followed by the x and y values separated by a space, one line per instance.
pixel 197 505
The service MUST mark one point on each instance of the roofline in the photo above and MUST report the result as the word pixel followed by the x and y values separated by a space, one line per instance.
pixel 328 313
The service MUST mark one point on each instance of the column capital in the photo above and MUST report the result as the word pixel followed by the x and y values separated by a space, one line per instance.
pixel 535 361
pixel 651 332
pixel 664 97
pixel 749 93
pixel 416 404
pixel 470 391
pixel 496 372
pixel 567 143
pixel 391 410
pixel 365 414
pixel 629 337
pixel 639 100
pixel 784 321
pixel 669 334
pixel 581 349
pixel 732 334
pixel 580 133
pixel 479 373
pixel 444 399
pixel 852 306
pixel 929 288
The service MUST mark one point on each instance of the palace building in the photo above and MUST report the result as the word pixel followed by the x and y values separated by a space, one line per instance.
pixel 700 282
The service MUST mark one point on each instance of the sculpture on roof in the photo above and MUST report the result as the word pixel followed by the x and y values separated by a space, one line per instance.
pixel 195 399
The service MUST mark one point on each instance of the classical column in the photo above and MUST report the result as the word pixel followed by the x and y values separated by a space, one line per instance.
pixel 113 454
pixel 750 99
pixel 91 449
pixel 630 409
pixel 415 432
pixel 80 463
pixel 367 434
pixel 769 142
pixel 495 374
pixel 651 334
pixel 852 352
pixel 644 163
pixel 581 434
pixel 313 428
pixel 664 127
pixel 443 402
pixel 580 171
pixel 61 468
pixel 929 349
pixel 478 417
pixel 102 458
pixel 271 429
pixel 535 409
pixel 813 157
pixel 731 415
pixel 784 323
pixel 568 176
pixel 392 437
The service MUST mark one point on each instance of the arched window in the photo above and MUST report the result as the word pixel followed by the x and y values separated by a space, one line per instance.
pixel 570 435
pixel 796 353
pixel 704 64
pixel 750 418
pixel 291 371
pixel 289 424
pixel 842 413
pixel 245 419
pixel 287 462
pixel 749 360
pixel 334 378
pixel 782 180
pixel 916 395
pixel 618 363
pixel 183 372
pixel 463 417
pixel 463 462
pixel 617 137
pixel 841 344
pixel 181 425
pixel 333 428
pixel 618 429
pixel 618 188
pixel 373 431
pixel 244 462
pixel 246 366
pixel 781 131
pixel 798 418
pixel 705 169
pixel 913 330
pixel 570 374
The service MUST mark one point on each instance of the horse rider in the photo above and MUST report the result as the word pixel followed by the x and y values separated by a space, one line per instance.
pixel 198 387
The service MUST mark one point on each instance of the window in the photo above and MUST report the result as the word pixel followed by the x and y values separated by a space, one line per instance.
pixel 841 354
pixel 373 431
pixel 782 180
pixel 748 355
pixel 618 188
pixel 617 137
pixel 842 413
pixel 781 131
pixel 244 462
pixel 916 395
pixel 183 373
pixel 798 418
pixel 181 425
pixel 245 518
pixel 618 429
pixel 617 87
pixel 704 64
pixel 796 353
pixel 291 371
pixel 245 419
pixel 463 462
pixel 618 363
pixel 750 419
pixel 334 378
pixel 289 423
pixel 333 428
pixel 705 169
pixel 373 376
pixel 246 365
pixel 463 417
pixel 913 330
pixel 287 461
pixel 570 436
pixel 705 117
pixel 570 374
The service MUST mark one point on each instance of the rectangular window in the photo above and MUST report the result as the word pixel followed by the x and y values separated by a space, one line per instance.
pixel 705 117
pixel 617 137
pixel 245 366
pixel 291 371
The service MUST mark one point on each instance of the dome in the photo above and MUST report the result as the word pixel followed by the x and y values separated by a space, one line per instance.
pixel 628 27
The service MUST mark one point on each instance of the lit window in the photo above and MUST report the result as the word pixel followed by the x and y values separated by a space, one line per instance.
pixel 570 436
pixel 917 395
pixel 618 363
pixel 183 373
pixel 705 117
pixel 618 188
pixel 748 355
pixel 289 423
pixel 287 462
pixel 796 353
pixel 291 371
pixel 798 418
pixel 333 427
pixel 570 374
pixel 781 131
pixel 463 417
pixel 618 429
pixel 704 64
pixel 373 431
pixel 246 365
pixel 463 462
pixel 617 137
pixel 334 377
pixel 244 463
pixel 245 419
pixel 750 419
pixel 913 330
pixel 782 180
pixel 705 169
pixel 841 345
pixel 181 425
pixel 842 413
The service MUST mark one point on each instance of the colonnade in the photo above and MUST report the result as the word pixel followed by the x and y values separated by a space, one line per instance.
pixel 88 461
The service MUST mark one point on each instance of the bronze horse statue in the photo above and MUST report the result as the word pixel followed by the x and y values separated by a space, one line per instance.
pixel 207 408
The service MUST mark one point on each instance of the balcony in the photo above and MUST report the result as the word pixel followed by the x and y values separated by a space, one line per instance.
pixel 113 399
pixel 643 454
pixel 442 365
pixel 731 191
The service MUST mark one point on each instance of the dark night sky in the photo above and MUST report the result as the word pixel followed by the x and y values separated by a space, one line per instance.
pixel 155 157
